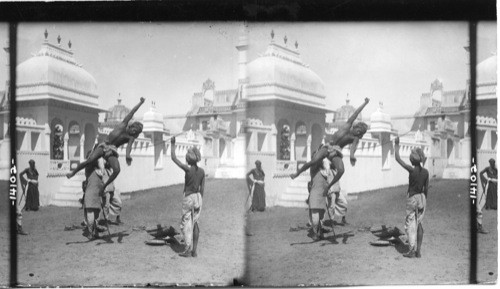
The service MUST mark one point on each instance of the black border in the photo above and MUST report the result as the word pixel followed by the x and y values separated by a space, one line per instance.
pixel 472 115
pixel 250 10
pixel 13 140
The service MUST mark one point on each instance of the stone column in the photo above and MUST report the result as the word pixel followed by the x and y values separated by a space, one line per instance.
pixel 82 148
pixel 46 139
pixel 65 151
pixel 292 147
pixel 272 137
pixel 308 147
pixel 486 145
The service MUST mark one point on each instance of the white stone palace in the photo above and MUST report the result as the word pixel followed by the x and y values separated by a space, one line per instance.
pixel 286 122
pixel 57 124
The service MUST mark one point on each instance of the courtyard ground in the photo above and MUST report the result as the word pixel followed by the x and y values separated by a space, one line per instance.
pixel 49 255
pixel 4 234
pixel 280 253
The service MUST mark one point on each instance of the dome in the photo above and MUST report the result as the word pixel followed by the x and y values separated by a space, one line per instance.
pixel 54 73
pixel 280 73
pixel 117 112
pixel 487 70
pixel 380 121
pixel 344 112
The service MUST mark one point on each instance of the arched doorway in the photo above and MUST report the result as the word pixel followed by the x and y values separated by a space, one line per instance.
pixel 90 136
pixel 74 149
pixel 283 140
pixel 56 139
pixel 301 142
pixel 316 137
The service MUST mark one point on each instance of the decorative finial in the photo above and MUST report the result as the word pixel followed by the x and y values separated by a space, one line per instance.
pixel 296 45
pixel 285 39
pixel 46 34
pixel 272 34
pixel 119 98
pixel 380 105
pixel 347 99
pixel 58 39
pixel 69 44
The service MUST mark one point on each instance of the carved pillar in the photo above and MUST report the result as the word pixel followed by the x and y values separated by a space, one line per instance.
pixel 308 148
pixel 82 149
pixel 46 138
pixel 292 147
pixel 65 151
pixel 272 137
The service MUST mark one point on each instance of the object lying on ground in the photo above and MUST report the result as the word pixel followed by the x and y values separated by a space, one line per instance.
pixel 160 232
pixel 381 243
pixel 73 227
pixel 387 232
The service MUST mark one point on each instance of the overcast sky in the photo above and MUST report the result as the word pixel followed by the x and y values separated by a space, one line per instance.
pixel 389 62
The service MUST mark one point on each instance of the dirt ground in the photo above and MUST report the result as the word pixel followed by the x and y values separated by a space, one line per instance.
pixel 4 234
pixel 277 255
pixel 49 255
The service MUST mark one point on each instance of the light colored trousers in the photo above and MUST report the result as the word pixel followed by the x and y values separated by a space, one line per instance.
pixel 20 203
pixel 481 202
pixel 112 204
pixel 191 209
pixel 336 203
pixel 415 210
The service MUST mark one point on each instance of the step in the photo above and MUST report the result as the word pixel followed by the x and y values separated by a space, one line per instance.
pixel 66 203
pixel 66 197
pixel 291 204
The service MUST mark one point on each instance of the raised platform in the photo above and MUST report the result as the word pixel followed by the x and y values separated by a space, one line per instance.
pixel 70 192
pixel 296 194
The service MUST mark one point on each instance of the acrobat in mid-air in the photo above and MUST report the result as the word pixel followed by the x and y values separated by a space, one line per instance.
pixel 122 134
pixel 347 134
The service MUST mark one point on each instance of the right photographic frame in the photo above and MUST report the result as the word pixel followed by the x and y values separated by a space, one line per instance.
pixel 359 145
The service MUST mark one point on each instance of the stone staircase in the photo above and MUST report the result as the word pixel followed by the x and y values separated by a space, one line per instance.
pixel 69 192
pixel 296 193
pixel 230 172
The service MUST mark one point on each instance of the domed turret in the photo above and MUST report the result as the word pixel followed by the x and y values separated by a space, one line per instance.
pixel 344 112
pixel 153 120
pixel 487 79
pixel 117 112
pixel 380 121
pixel 281 74
pixel 54 73
pixel 487 70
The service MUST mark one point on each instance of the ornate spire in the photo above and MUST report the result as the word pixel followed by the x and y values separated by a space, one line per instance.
pixel 46 34
pixel 296 45
pixel 69 44
pixel 347 99
pixel 285 39
pixel 272 34
pixel 58 39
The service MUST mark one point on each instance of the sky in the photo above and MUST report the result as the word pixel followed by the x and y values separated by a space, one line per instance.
pixel 393 63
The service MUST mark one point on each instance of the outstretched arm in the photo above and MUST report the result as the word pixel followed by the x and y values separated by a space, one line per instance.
pixel 357 112
pixel 128 158
pixel 354 146
pixel 174 157
pixel 398 158
pixel 132 112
